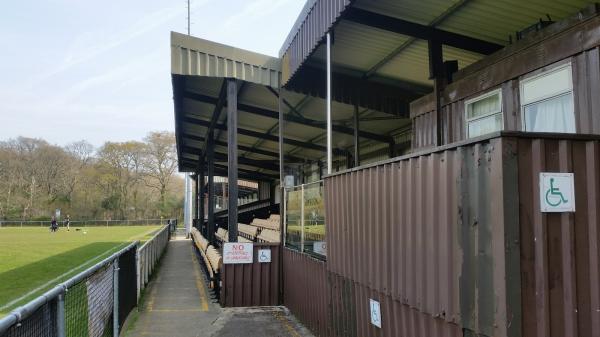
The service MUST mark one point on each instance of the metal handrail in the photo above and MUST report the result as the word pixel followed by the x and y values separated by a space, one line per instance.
pixel 148 255
pixel 22 312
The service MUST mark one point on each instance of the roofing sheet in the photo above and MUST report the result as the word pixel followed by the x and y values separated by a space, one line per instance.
pixel 360 48
pixel 199 57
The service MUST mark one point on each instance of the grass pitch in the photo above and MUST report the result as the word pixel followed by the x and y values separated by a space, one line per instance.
pixel 33 260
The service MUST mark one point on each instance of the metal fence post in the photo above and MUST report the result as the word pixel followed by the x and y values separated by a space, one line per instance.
pixel 116 298
pixel 137 273
pixel 61 328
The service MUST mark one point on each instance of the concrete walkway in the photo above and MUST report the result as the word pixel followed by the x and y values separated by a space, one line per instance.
pixel 177 303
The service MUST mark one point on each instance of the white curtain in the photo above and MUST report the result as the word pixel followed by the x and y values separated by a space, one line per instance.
pixel 552 115
pixel 484 107
pixel 485 125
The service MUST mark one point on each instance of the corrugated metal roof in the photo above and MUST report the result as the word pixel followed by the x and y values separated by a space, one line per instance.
pixel 361 48
pixel 307 35
pixel 199 57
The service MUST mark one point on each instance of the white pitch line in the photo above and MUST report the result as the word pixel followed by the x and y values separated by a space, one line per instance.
pixel 72 271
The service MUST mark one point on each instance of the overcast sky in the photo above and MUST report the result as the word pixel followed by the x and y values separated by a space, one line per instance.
pixel 100 70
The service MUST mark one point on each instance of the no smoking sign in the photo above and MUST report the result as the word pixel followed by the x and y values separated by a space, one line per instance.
pixel 237 253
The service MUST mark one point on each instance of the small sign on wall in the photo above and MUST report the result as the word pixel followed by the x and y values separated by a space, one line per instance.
pixel 237 253
pixel 320 247
pixel 375 313
pixel 557 192
pixel 264 255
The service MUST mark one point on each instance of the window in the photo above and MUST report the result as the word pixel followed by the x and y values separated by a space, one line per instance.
pixel 547 101
pixel 484 114
pixel 305 219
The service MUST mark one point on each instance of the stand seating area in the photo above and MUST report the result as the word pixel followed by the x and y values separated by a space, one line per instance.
pixel 222 235
pixel 259 230
pixel 211 257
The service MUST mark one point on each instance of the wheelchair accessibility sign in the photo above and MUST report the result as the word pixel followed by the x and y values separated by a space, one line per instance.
pixel 264 255
pixel 557 192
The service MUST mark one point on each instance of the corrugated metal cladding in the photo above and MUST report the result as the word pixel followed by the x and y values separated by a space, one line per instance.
pixel 505 74
pixel 309 33
pixel 560 264
pixel 199 57
pixel 255 284
pixel 452 242
pixel 427 236
pixel 305 290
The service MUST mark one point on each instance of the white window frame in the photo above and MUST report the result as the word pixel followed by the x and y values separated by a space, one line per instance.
pixel 477 99
pixel 544 73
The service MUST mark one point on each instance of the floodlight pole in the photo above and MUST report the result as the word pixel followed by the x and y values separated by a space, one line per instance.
pixel 188 18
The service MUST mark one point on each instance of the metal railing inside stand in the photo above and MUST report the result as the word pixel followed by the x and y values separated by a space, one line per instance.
pixel 149 254
pixel 94 303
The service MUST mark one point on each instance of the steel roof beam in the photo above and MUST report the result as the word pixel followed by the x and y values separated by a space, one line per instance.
pixel 247 173
pixel 221 170
pixel 219 103
pixel 419 31
pixel 270 165
pixel 412 40
pixel 243 148
pixel 290 118
pixel 276 127
pixel 261 135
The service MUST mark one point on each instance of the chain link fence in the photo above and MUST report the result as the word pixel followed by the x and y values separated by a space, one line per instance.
pixel 85 223
pixel 96 302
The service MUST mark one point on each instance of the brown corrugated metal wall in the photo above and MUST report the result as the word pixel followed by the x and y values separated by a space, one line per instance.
pixel 305 289
pixel 253 284
pixel 560 255
pixel 429 236
pixel 452 242
pixel 421 233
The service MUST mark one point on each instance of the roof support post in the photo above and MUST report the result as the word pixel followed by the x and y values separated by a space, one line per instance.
pixel 196 194
pixel 232 160
pixel 201 194
pixel 329 146
pixel 282 204
pixel 436 72
pixel 281 139
pixel 356 138
pixel 210 229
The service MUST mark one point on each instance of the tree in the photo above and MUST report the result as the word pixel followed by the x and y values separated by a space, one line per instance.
pixel 161 162
pixel 121 180
pixel 121 164
pixel 81 156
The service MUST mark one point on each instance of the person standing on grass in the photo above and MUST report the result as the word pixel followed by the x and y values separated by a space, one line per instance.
pixel 68 223
pixel 53 224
